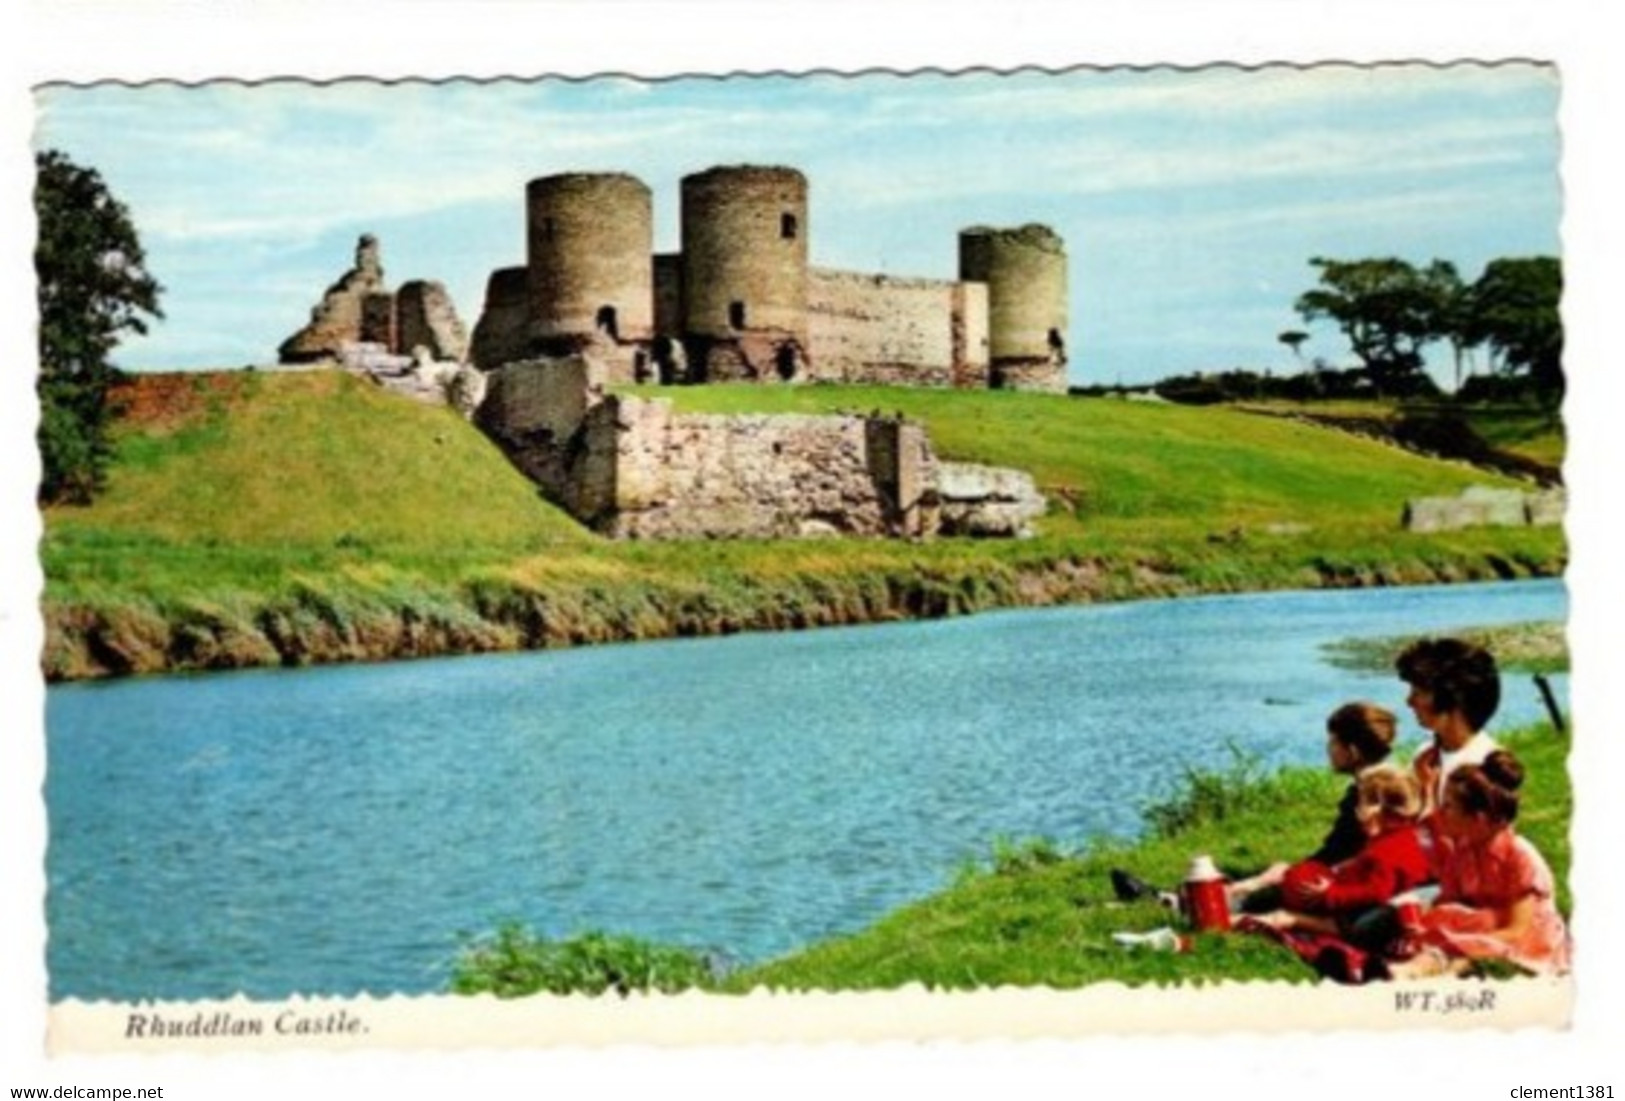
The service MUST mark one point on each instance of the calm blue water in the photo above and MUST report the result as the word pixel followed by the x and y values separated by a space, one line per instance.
pixel 331 830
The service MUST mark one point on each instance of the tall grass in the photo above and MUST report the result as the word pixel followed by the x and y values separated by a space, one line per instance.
pixel 514 962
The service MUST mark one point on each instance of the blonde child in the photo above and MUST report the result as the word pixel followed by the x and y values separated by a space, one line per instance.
pixel 1322 898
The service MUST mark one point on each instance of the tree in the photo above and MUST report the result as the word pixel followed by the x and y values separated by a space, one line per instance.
pixel 1386 308
pixel 93 289
pixel 1449 307
pixel 1294 338
pixel 1513 307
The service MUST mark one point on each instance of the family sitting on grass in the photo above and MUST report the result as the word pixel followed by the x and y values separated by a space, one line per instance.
pixel 1422 872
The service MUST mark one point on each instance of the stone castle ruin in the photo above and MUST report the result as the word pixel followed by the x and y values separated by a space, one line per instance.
pixel 410 339
pixel 594 307
pixel 359 313
pixel 741 301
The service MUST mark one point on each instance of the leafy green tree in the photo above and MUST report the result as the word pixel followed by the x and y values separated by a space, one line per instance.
pixel 1513 307
pixel 93 289
pixel 1388 310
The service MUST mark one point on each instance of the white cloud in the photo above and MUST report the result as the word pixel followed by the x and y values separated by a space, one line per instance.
pixel 1222 91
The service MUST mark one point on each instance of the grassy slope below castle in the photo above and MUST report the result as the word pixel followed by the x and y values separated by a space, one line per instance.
pixel 260 518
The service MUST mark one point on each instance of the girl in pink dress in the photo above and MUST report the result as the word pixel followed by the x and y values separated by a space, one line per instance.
pixel 1496 894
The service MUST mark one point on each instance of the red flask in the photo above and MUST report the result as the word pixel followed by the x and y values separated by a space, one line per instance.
pixel 1206 902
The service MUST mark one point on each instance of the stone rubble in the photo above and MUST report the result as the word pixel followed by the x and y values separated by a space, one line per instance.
pixel 1484 506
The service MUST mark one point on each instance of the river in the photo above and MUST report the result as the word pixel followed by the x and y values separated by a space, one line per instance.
pixel 332 830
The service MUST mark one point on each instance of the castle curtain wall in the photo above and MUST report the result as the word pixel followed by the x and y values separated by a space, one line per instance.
pixel 866 328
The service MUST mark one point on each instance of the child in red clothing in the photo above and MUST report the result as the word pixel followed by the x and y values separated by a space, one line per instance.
pixel 1358 738
pixel 1496 893
pixel 1325 898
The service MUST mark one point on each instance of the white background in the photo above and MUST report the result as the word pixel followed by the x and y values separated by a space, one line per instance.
pixel 137 40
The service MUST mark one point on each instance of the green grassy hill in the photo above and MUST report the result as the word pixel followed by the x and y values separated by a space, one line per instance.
pixel 263 517
pixel 252 475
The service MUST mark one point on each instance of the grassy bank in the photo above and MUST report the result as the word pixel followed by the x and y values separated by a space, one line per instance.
pixel 1509 436
pixel 259 518
pixel 1039 912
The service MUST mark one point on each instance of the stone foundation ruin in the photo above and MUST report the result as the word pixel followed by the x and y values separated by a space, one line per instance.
pixel 1484 506
pixel 633 468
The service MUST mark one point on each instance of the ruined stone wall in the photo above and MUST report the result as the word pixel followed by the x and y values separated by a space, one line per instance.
pixel 744 248
pixel 535 410
pixel 378 320
pixel 972 357
pixel 668 290
pixel 865 328
pixel 633 468
pixel 338 318
pixel 426 318
pixel 360 318
pixel 1025 271
pixel 1485 506
pixel 715 476
pixel 501 334
pixel 590 241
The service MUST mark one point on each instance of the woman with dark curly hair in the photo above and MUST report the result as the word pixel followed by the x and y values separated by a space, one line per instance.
pixel 1454 690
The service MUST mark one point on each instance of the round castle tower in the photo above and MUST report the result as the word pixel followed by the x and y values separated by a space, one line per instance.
pixel 1025 273
pixel 590 237
pixel 744 270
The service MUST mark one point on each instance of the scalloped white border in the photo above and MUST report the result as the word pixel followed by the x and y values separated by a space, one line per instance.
pixel 138 39
pixel 912 1013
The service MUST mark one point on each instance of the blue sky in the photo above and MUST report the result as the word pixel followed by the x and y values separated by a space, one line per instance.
pixel 1190 200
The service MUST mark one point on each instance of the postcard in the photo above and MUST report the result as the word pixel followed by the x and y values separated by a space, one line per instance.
pixel 801 556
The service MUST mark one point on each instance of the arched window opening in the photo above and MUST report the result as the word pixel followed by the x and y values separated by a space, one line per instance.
pixel 788 226
pixel 661 351
pixel 736 315
pixel 787 359
pixel 607 322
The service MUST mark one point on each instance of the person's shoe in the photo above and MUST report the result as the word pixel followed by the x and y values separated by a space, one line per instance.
pixel 1345 964
pixel 1334 964
pixel 1131 888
